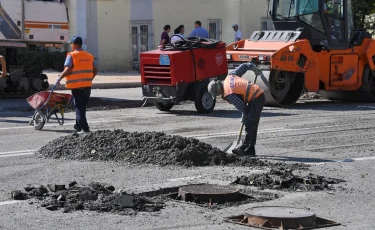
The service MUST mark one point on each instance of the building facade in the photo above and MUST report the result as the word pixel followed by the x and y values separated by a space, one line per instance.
pixel 116 31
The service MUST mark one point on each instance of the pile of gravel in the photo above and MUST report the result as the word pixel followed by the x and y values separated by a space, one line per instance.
pixel 284 179
pixel 141 148
pixel 93 197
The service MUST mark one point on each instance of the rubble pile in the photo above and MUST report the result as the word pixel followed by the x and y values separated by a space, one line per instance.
pixel 141 148
pixel 93 197
pixel 284 179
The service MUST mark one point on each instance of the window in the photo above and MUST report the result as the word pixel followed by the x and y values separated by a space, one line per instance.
pixel 214 29
pixel 142 39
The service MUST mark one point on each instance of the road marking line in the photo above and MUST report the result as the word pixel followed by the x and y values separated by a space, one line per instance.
pixel 13 152
pixel 363 158
pixel 10 202
pixel 184 178
pixel 51 125
pixel 17 154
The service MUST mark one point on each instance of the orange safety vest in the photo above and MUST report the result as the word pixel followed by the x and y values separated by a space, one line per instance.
pixel 237 85
pixel 83 70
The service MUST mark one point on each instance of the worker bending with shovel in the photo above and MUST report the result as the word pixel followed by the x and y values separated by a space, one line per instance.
pixel 248 98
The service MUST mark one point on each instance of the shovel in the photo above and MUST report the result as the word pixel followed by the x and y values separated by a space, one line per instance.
pixel 236 143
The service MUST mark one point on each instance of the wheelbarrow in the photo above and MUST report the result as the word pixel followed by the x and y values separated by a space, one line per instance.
pixel 47 104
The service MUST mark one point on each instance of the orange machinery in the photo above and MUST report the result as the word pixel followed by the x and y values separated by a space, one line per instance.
pixel 315 47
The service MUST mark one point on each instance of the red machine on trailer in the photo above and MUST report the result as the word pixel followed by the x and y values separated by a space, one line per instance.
pixel 182 71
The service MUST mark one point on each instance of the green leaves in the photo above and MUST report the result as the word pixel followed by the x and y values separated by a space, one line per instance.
pixel 363 11
pixel 40 60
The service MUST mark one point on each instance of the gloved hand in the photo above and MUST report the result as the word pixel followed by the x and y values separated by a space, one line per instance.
pixel 3 74
pixel 58 81
pixel 256 70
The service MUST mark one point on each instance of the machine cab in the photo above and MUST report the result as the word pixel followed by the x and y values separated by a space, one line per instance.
pixel 325 23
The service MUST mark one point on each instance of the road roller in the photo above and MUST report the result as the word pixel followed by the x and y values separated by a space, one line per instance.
pixel 313 46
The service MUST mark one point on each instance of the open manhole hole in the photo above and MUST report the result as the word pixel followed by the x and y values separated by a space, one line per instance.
pixel 279 217
pixel 211 195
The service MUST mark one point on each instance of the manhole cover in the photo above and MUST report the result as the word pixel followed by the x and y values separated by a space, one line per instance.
pixel 209 193
pixel 280 218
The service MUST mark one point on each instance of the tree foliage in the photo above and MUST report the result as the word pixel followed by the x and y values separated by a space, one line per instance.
pixel 362 10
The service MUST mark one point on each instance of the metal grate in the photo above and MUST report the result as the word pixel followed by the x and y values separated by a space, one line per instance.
pixel 157 74
pixel 214 29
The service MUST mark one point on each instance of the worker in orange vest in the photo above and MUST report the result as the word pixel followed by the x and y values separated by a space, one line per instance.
pixel 248 98
pixel 79 71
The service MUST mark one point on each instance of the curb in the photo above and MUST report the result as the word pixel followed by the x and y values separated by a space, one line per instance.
pixel 118 85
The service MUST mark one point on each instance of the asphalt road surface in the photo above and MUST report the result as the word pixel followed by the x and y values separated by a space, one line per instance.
pixel 336 139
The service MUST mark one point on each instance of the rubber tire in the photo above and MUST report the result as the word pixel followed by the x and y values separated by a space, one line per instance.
pixel 199 104
pixel 43 121
pixel 164 106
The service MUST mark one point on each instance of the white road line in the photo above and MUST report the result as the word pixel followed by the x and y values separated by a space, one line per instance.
pixel 56 124
pixel 273 130
pixel 14 152
pixel 363 158
pixel 17 154
pixel 10 202
pixel 184 178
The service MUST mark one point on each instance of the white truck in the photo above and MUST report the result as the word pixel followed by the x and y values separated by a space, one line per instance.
pixel 29 24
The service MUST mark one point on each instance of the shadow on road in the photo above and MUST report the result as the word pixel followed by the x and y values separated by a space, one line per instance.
pixel 59 131
pixel 298 159
pixel 333 106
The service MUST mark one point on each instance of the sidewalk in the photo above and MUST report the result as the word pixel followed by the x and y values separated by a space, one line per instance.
pixel 102 80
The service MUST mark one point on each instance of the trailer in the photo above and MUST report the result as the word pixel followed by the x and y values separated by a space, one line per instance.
pixel 34 25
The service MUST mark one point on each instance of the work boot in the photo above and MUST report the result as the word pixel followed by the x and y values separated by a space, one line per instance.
pixel 240 151
pixel 250 151
pixel 77 129
pixel 83 133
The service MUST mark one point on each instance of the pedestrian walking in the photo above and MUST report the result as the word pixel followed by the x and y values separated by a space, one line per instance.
pixel 248 98
pixel 199 31
pixel 3 64
pixel 164 36
pixel 79 71
pixel 238 34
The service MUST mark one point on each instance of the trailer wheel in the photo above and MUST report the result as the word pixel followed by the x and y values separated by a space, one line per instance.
pixel 204 103
pixel 39 120
pixel 164 106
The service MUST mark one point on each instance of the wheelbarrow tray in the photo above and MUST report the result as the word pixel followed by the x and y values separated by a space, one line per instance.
pixel 37 100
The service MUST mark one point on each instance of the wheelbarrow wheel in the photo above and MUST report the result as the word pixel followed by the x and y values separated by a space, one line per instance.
pixel 39 120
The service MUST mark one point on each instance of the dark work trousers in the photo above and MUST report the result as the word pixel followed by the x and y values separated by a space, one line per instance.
pixel 81 97
pixel 255 108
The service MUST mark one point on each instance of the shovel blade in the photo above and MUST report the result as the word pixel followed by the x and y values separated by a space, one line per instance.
pixel 232 146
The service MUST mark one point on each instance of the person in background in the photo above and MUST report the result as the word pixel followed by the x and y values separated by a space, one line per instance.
pixel 199 31
pixel 3 67
pixel 238 34
pixel 180 32
pixel 79 71
pixel 164 36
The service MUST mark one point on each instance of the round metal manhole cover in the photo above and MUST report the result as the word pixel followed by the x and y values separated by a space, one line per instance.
pixel 208 193
pixel 275 217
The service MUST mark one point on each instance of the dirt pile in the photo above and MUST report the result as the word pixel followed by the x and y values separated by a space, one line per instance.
pixel 284 179
pixel 93 197
pixel 141 148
